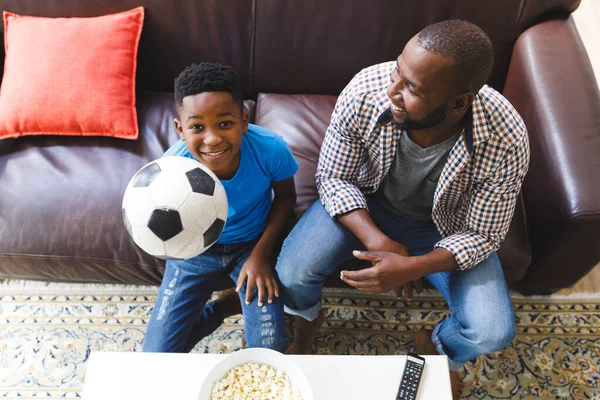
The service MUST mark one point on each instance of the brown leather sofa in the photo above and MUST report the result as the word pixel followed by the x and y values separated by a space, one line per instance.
pixel 60 197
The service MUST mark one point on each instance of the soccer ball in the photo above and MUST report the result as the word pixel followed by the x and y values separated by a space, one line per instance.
pixel 174 208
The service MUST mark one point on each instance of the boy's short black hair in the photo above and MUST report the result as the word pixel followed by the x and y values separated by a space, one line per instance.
pixel 208 77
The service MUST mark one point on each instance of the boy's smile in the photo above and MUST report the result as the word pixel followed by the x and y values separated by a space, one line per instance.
pixel 212 125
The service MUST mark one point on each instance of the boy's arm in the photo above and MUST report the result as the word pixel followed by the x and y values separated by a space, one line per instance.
pixel 282 207
pixel 257 269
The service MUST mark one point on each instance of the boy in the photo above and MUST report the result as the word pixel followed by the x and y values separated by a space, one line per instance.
pixel 250 162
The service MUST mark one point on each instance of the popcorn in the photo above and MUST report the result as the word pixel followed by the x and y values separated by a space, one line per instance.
pixel 253 381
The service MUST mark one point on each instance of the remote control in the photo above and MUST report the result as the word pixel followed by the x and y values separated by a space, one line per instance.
pixel 411 378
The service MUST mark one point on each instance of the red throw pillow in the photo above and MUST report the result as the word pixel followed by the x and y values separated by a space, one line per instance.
pixel 70 76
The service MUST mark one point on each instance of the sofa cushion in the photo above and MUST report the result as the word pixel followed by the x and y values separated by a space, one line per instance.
pixel 60 209
pixel 302 120
pixel 70 76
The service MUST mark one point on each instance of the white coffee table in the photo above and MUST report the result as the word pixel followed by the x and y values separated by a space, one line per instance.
pixel 157 376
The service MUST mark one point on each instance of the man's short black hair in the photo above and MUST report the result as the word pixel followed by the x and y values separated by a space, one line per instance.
pixel 208 77
pixel 467 43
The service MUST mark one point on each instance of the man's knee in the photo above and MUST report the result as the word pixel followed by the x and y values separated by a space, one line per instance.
pixel 295 282
pixel 297 270
pixel 495 337
pixel 285 275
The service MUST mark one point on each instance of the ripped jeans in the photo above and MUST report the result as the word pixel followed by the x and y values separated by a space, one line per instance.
pixel 182 317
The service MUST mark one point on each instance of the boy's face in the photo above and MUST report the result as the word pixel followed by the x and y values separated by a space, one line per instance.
pixel 212 125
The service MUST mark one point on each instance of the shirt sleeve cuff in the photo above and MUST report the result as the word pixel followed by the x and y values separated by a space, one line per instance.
pixel 465 254
pixel 344 201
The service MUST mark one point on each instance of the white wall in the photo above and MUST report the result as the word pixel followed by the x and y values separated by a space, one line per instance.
pixel 587 20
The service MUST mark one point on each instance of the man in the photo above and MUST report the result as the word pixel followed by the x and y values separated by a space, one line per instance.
pixel 421 166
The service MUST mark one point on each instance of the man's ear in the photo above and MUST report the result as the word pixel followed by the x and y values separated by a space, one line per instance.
pixel 244 121
pixel 179 127
pixel 462 102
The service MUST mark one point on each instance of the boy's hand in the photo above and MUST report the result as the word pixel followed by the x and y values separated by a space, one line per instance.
pixel 258 271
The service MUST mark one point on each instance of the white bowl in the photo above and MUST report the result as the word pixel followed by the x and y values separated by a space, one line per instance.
pixel 268 357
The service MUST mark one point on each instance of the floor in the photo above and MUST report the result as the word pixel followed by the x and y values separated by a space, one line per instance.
pixel 588 284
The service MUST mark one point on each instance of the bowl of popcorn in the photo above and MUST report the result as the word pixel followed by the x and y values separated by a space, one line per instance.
pixel 256 374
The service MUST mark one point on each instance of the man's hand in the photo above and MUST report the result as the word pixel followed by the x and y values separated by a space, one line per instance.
pixel 389 245
pixel 258 271
pixel 389 271
pixel 359 222
pixel 406 289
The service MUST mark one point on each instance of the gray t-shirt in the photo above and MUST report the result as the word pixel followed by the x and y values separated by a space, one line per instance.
pixel 409 185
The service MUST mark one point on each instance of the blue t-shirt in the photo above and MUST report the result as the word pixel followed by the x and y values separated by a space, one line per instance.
pixel 264 157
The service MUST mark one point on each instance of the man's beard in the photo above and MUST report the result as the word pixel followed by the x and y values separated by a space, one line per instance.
pixel 432 119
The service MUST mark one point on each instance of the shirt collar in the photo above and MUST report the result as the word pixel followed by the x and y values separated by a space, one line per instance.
pixel 381 101
pixel 382 108
pixel 476 129
pixel 481 129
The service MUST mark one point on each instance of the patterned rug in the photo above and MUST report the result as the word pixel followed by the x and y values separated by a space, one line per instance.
pixel 47 332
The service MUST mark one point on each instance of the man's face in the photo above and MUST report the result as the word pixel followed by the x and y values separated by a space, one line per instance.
pixel 422 83
pixel 211 124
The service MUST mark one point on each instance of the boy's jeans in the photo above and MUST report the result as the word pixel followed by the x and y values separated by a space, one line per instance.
pixel 482 319
pixel 181 316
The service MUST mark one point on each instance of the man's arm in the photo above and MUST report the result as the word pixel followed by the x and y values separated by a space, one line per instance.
pixel 490 211
pixel 340 159
pixel 341 156
pixel 359 222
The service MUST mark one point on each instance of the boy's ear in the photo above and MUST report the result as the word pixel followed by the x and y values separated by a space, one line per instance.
pixel 179 127
pixel 244 121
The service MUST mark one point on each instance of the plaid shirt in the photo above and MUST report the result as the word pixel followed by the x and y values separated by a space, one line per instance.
pixel 475 197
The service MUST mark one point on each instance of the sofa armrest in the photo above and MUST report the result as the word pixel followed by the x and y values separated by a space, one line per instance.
pixel 551 83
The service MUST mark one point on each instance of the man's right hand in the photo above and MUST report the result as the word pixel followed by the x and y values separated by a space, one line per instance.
pixel 359 222
pixel 386 244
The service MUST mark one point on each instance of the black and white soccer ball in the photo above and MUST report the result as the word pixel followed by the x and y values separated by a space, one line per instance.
pixel 174 208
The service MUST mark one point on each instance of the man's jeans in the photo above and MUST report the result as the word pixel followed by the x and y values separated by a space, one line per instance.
pixel 182 317
pixel 482 319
